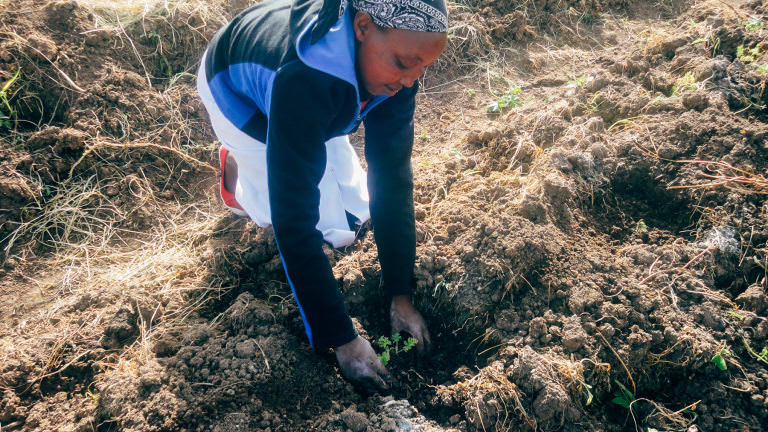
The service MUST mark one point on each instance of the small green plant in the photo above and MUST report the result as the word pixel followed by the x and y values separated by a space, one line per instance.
pixel 640 226
pixel 92 396
pixel 470 92
pixel 457 154
pixel 589 396
pixel 423 137
pixel 595 102
pixel 685 82
pixel 7 112
pixel 714 44
pixel 509 100
pixel 391 346
pixel 622 396
pixel 749 55
pixel 761 356
pixel 754 25
pixel 719 359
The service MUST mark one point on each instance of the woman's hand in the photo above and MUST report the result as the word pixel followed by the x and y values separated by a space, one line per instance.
pixel 406 318
pixel 359 363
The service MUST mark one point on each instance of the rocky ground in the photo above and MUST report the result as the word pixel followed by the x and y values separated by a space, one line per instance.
pixel 590 200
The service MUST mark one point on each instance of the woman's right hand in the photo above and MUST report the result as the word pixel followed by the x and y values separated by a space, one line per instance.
pixel 359 363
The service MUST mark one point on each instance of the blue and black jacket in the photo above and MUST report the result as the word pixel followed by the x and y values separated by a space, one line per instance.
pixel 279 74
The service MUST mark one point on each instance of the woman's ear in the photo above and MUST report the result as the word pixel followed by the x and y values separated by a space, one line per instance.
pixel 362 24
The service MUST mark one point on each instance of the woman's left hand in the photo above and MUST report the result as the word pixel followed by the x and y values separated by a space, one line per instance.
pixel 406 318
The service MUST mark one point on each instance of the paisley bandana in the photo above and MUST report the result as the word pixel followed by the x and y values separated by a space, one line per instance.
pixel 416 15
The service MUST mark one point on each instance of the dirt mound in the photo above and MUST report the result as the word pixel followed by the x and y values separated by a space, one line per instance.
pixel 87 99
pixel 483 29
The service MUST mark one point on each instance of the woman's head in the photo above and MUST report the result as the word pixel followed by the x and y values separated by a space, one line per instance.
pixel 396 40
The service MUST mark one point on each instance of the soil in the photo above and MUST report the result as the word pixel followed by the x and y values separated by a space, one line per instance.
pixel 593 258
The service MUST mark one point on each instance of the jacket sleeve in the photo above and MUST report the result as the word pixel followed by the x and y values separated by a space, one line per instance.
pixel 304 105
pixel 388 146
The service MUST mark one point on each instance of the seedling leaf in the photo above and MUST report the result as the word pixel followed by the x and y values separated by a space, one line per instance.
pixel 410 343
pixel 622 396
pixel 719 359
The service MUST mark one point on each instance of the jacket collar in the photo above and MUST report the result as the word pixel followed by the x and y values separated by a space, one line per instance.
pixel 334 53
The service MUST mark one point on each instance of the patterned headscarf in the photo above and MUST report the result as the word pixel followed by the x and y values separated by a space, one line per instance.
pixel 417 15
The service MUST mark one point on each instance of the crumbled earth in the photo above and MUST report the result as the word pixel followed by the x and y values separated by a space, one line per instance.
pixel 590 184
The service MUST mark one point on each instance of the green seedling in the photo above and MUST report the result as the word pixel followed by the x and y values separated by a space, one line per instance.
pixel 640 226
pixel 579 82
pixel 719 359
pixel 749 55
pixel 391 346
pixel 595 102
pixel 686 82
pixel 589 396
pixel 92 396
pixel 713 44
pixel 509 100
pixel 622 396
pixel 735 314
pixel 470 92
pixel 754 25
pixel 761 356
pixel 7 112
pixel 456 154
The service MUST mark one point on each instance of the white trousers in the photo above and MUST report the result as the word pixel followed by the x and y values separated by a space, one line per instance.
pixel 343 186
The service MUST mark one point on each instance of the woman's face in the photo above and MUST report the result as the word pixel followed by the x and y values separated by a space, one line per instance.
pixel 389 59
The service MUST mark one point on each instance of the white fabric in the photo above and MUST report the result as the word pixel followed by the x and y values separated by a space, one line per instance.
pixel 342 187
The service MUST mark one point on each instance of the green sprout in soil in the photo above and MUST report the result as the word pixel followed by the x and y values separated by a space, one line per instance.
pixel 754 25
pixel 640 226
pixel 713 44
pixel 749 55
pixel 595 102
pixel 578 82
pixel 391 346
pixel 761 356
pixel 686 82
pixel 719 359
pixel 455 153
pixel 424 137
pixel 7 113
pixel 92 396
pixel 622 396
pixel 509 100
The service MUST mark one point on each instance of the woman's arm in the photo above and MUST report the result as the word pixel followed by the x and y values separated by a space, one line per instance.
pixel 305 106
pixel 388 146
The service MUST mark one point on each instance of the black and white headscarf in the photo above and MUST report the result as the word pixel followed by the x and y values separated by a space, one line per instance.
pixel 416 15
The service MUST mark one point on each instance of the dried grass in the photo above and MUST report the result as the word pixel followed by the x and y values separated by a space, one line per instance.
pixel 489 385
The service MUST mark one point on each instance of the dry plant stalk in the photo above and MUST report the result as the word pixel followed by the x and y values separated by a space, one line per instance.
pixel 493 383
pixel 736 179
